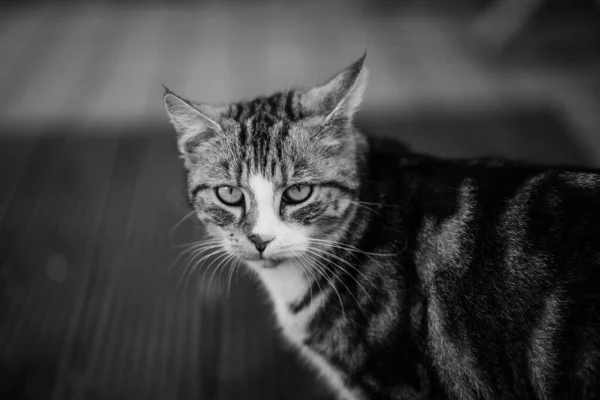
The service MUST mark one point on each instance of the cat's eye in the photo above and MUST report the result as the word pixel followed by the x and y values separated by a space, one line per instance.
pixel 297 193
pixel 230 195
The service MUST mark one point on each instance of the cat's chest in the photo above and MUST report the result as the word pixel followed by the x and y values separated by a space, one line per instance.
pixel 287 285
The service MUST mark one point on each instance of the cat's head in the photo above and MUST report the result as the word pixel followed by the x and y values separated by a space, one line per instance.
pixel 276 177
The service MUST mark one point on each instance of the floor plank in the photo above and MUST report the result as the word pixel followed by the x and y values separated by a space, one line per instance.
pixel 47 240
pixel 15 155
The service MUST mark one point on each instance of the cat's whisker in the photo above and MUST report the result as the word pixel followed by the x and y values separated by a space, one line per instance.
pixel 309 269
pixel 237 270
pixel 219 269
pixel 354 268
pixel 192 253
pixel 348 251
pixel 192 260
pixel 325 260
pixel 316 280
pixel 224 267
pixel 212 267
pixel 187 247
pixel 238 265
pixel 334 242
pixel 351 253
pixel 200 246
pixel 185 217
pixel 307 279
pixel 382 205
pixel 201 257
pixel 232 265
pixel 319 270
pixel 190 267
pixel 187 265
pixel 345 262
pixel 366 207
pixel 323 270
pixel 319 273
pixel 321 290
pixel 222 259
pixel 350 248
pixel 307 261
pixel 229 275
pixel 232 268
pixel 199 242
pixel 304 261
pixel 369 203
pixel 298 255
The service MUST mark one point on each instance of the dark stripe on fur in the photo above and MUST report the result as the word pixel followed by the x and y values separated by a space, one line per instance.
pixel 341 187
pixel 289 102
pixel 220 216
pixel 315 288
pixel 307 214
pixel 198 189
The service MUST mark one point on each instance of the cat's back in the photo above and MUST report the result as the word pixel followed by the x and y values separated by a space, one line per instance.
pixel 509 255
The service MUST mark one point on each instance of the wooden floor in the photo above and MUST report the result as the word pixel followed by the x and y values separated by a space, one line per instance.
pixel 95 303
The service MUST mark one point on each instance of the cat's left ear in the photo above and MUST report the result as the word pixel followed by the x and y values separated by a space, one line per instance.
pixel 341 96
pixel 194 123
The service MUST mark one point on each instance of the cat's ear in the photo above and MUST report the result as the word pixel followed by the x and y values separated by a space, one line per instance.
pixel 194 123
pixel 341 96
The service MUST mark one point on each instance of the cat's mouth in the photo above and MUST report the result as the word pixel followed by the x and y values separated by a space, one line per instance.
pixel 265 262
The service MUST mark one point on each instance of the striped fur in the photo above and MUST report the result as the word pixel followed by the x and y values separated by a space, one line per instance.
pixel 402 276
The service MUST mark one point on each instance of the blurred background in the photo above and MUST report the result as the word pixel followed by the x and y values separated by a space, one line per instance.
pixel 97 297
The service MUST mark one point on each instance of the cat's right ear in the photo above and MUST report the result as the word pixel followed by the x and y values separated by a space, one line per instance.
pixel 341 96
pixel 194 123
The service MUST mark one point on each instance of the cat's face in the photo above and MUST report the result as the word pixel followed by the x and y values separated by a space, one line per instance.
pixel 275 178
pixel 275 196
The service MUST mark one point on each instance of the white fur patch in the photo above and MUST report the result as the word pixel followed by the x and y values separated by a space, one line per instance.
pixel 330 374
pixel 287 283
pixel 267 222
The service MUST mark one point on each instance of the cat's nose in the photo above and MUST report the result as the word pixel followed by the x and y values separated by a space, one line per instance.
pixel 261 241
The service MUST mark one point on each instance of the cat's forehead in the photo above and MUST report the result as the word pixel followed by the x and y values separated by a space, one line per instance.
pixel 266 110
pixel 270 137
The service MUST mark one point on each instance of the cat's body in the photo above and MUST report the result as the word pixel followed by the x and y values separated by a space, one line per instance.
pixel 399 275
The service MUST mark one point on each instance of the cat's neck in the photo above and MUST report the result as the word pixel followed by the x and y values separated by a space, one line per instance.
pixel 299 290
pixel 285 283
pixel 288 285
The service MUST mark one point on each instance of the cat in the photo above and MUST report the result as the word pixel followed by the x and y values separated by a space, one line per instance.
pixel 400 275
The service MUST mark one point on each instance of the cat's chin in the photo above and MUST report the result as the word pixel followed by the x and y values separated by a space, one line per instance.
pixel 267 263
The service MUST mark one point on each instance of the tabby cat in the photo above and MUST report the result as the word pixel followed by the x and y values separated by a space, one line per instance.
pixel 399 275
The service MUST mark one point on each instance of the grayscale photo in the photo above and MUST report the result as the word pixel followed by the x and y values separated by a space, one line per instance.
pixel 300 200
